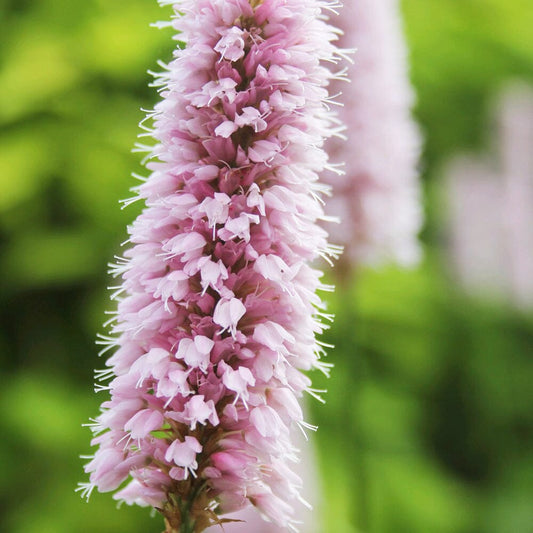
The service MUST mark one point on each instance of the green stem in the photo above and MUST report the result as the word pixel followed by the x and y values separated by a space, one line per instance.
pixel 181 515
pixel 187 524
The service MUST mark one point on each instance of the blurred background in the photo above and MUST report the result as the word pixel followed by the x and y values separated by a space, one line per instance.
pixel 428 424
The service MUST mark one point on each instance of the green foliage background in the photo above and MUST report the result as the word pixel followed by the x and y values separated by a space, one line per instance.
pixel 428 423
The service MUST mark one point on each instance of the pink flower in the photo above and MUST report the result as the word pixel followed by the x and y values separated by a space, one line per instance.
pixel 195 352
pixel 227 314
pixel 183 454
pixel 218 311
pixel 378 198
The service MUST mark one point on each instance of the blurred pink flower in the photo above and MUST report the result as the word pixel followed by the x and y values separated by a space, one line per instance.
pixel 217 312
pixel 491 206
pixel 378 198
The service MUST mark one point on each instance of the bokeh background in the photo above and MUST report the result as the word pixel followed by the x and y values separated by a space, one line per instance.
pixel 428 423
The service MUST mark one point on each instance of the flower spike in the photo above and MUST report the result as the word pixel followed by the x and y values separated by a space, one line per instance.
pixel 218 311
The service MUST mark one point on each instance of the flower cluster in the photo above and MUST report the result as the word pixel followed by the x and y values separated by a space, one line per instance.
pixel 217 311
pixel 378 198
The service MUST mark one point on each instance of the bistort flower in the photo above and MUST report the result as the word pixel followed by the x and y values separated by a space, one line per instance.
pixel 378 197
pixel 217 309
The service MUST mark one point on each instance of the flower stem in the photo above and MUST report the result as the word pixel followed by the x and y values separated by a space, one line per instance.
pixel 179 519
pixel 187 526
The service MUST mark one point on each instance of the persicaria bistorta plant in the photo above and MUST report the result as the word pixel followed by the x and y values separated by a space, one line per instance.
pixel 378 197
pixel 217 311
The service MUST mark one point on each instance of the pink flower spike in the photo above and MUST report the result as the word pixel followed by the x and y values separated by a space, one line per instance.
pixel 218 310
pixel 378 197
